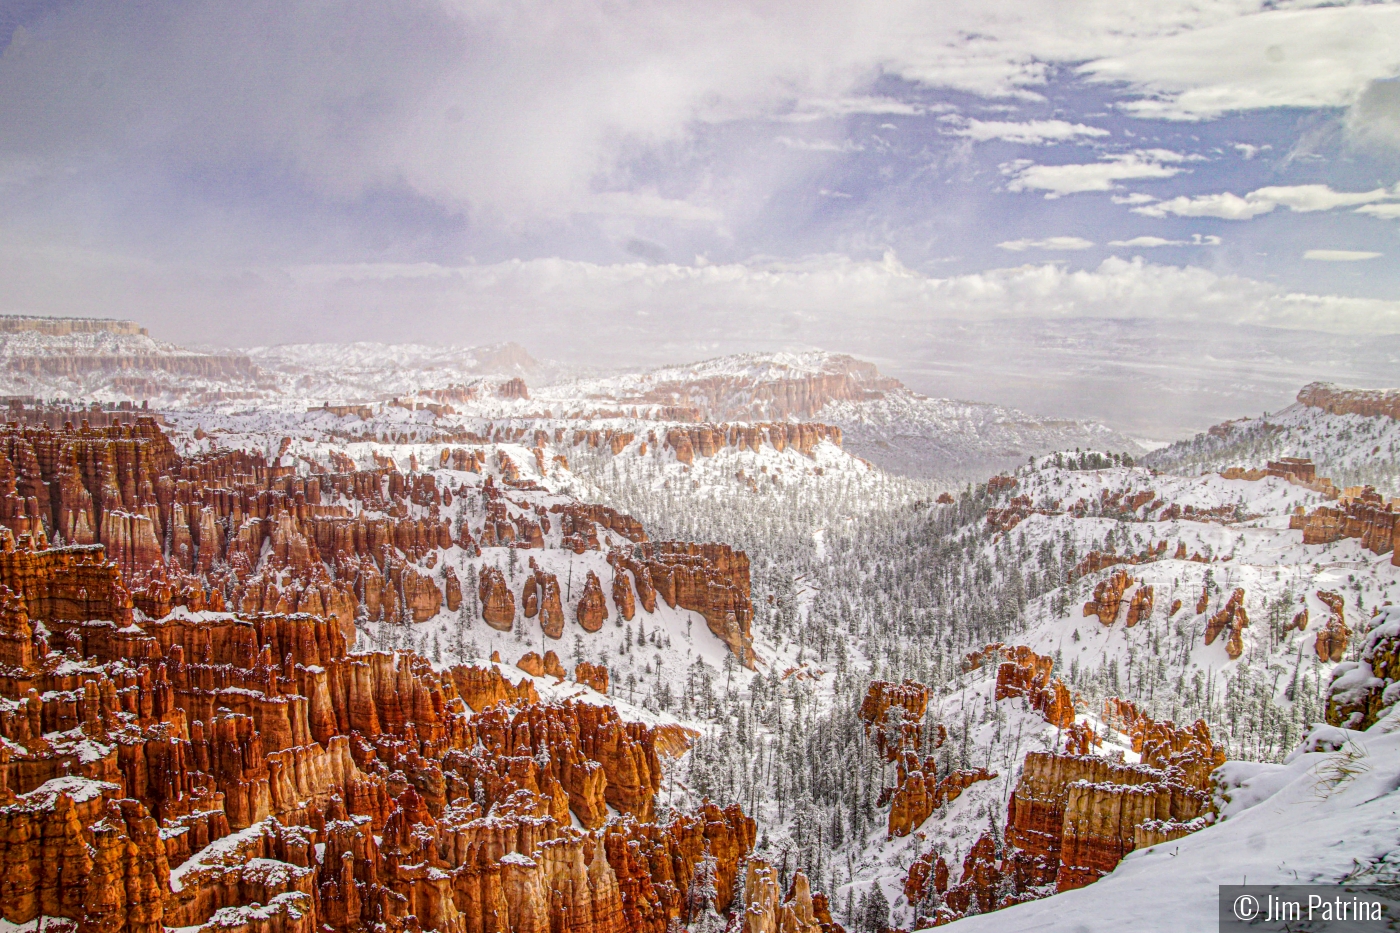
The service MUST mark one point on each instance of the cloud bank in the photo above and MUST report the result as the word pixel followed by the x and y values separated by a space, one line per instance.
pixel 1300 198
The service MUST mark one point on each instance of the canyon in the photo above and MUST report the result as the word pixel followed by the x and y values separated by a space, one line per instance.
pixel 446 639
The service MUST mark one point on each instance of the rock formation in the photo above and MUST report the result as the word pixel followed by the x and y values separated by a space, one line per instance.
pixel 1359 693
pixel 592 675
pixel 497 601
pixel 1369 403
pixel 893 715
pixel 1027 674
pixel 1333 635
pixel 1108 597
pixel 1076 816
pixel 921 792
pixel 220 759
pixel 592 607
pixel 1232 619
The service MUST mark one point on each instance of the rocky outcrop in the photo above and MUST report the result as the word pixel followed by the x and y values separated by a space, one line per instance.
pixel 926 878
pixel 1359 692
pixel 68 326
pixel 622 596
pixel 1108 597
pixel 497 601
pixel 188 741
pixel 893 715
pixel 592 675
pixel 1027 674
pixel 536 666
pixel 540 597
pixel 1364 515
pixel 711 579
pixel 1332 637
pixel 922 792
pixel 484 685
pixel 1140 605
pixel 1078 814
pixel 330 787
pixel 1232 619
pixel 72 849
pixel 1095 561
pixel 592 607
pixel 1369 403
pixel 765 911
pixel 689 442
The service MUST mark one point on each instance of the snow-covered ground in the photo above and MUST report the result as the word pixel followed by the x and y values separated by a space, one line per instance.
pixel 1324 816
pixel 1350 449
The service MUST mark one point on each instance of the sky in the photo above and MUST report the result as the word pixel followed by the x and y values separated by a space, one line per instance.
pixel 625 182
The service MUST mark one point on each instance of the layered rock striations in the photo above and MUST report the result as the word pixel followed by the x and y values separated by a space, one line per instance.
pixel 189 741
pixel 1078 814
pixel 1369 403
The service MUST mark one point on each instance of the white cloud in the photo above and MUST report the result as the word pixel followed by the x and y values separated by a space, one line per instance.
pixel 1375 117
pixel 1057 243
pixel 515 110
pixel 1300 198
pixel 1339 255
pixel 1383 211
pixel 1150 242
pixel 1226 206
pixel 650 204
pixel 1137 197
pixel 1308 198
pixel 1030 132
pixel 1280 58
pixel 590 311
pixel 1147 242
pixel 1103 175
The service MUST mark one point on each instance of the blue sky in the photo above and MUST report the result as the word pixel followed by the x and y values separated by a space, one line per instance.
pixel 608 178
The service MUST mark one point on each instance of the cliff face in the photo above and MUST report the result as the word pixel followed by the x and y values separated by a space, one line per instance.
pixel 708 440
pixel 1371 403
pixel 1365 516
pixel 711 579
pixel 1073 816
pixel 232 531
pixel 778 394
pixel 67 326
pixel 1079 814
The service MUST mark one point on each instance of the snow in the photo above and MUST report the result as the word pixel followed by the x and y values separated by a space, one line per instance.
pixel 219 852
pixel 295 904
pixel 1349 449
pixel 79 789
pixel 1320 818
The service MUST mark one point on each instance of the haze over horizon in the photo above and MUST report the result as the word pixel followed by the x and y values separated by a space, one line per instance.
pixel 1156 217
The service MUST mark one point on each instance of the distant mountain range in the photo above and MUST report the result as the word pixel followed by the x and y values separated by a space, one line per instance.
pixel 883 421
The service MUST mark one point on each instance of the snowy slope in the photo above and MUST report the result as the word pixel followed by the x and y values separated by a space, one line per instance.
pixel 1350 449
pixel 884 422
pixel 1326 815
pixel 1163 663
